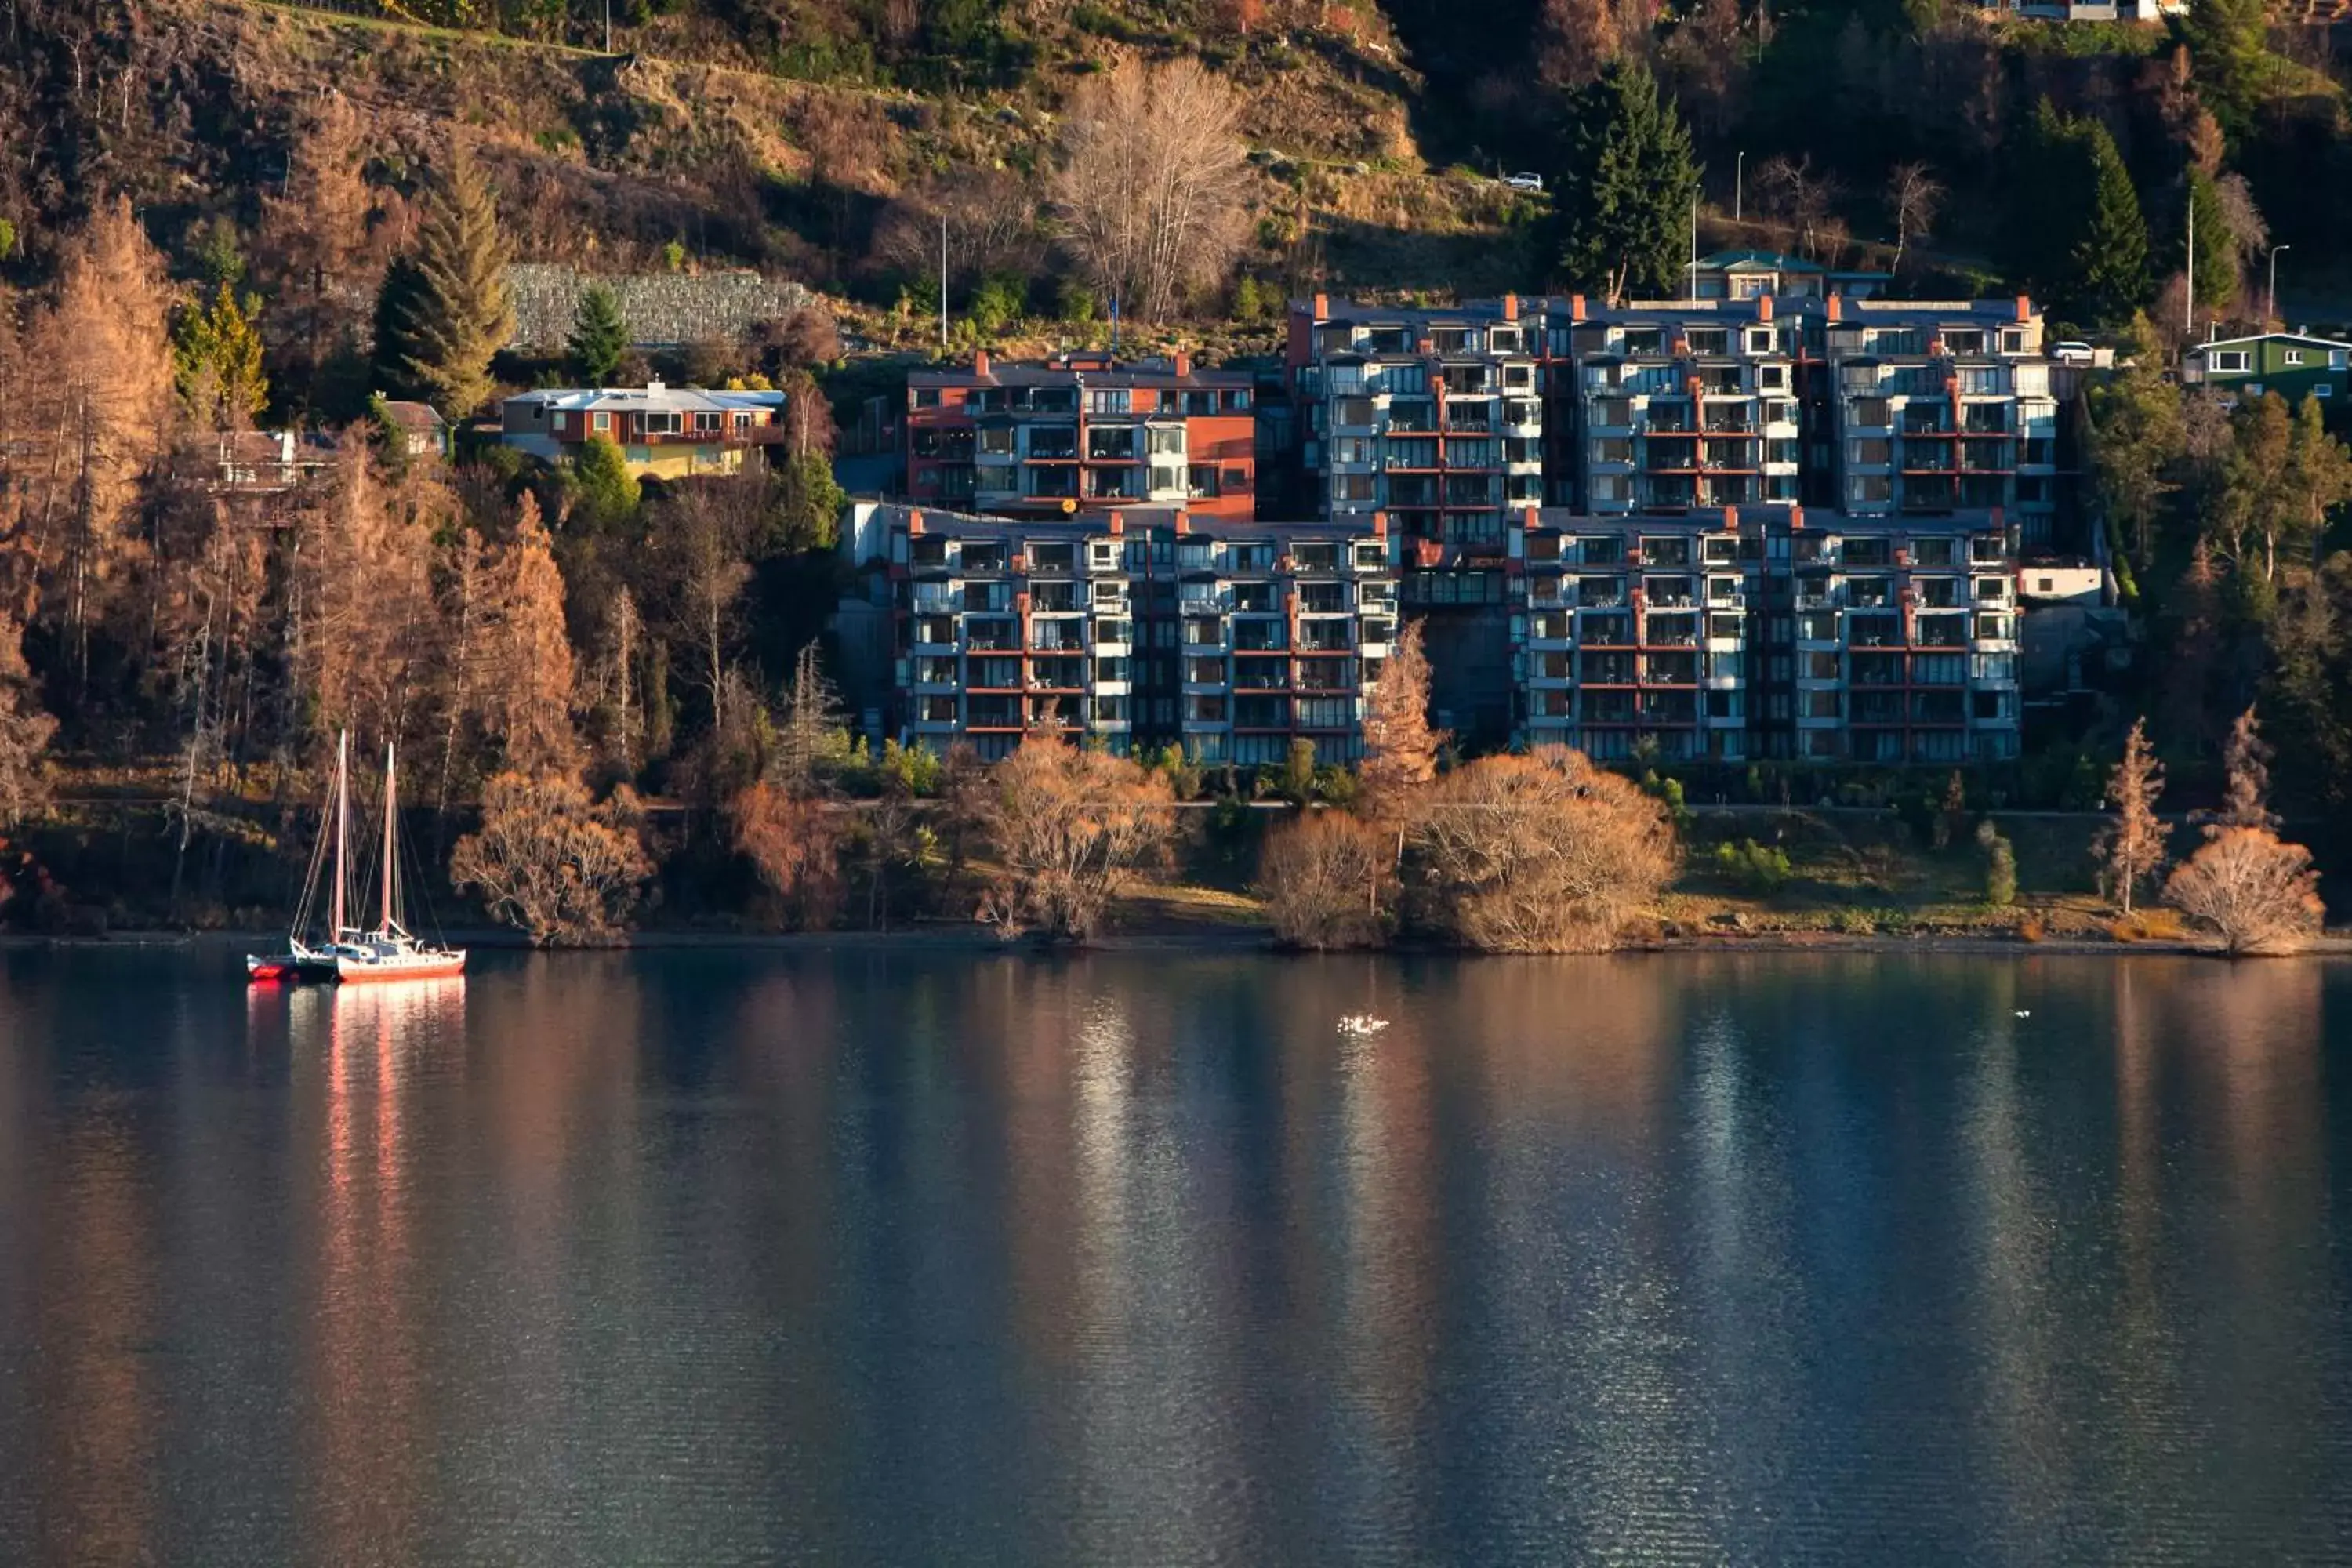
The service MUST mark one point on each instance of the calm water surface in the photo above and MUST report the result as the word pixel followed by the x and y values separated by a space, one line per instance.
pixel 750 1257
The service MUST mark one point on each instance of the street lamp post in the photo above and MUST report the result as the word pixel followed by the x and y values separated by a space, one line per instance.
pixel 1738 184
pixel 2269 311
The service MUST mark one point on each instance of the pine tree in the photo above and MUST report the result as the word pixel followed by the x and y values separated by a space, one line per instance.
pixel 457 314
pixel 24 730
pixel 2246 761
pixel 94 418
pixel 2216 245
pixel 2134 848
pixel 1400 747
pixel 529 667
pixel 217 360
pixel 600 338
pixel 2109 261
pixel 1627 197
pixel 2227 43
pixel 312 255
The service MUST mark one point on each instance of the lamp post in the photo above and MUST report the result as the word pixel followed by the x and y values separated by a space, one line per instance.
pixel 2269 310
pixel 1738 184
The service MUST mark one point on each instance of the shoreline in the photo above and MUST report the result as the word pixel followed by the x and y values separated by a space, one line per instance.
pixel 976 940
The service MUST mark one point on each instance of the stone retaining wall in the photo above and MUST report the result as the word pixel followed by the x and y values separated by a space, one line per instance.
pixel 664 309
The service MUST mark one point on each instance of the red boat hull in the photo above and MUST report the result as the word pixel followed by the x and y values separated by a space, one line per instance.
pixel 373 974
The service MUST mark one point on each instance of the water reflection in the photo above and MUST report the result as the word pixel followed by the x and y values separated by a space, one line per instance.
pixel 711 1258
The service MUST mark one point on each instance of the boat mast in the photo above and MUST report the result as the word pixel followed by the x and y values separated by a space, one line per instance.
pixel 391 834
pixel 342 828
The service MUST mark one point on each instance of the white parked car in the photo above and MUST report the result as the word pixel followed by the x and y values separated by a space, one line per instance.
pixel 2071 353
pixel 1524 181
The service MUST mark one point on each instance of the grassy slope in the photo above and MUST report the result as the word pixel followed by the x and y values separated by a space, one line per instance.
pixel 614 157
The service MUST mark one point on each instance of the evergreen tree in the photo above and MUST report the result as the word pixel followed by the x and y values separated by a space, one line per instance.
pixel 605 493
pixel 2227 43
pixel 2138 441
pixel 600 338
pixel 2109 260
pixel 217 360
pixel 2216 246
pixel 1626 196
pixel 398 297
pixel 457 314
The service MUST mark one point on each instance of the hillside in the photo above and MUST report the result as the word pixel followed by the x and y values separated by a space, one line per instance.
pixel 823 138
pixel 192 105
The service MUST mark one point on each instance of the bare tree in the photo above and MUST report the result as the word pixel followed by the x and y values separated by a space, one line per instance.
pixel 1070 828
pixel 1329 880
pixel 1800 197
pixel 1151 183
pixel 990 222
pixel 2134 848
pixel 2261 896
pixel 551 861
pixel 813 730
pixel 1540 852
pixel 1915 197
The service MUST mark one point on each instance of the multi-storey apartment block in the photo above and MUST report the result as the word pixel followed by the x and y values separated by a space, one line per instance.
pixel 1081 432
pixel 1940 409
pixel 1435 418
pixel 1768 633
pixel 1227 637
pixel 1449 419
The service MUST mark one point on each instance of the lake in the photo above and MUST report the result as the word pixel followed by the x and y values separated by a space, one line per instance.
pixel 722 1256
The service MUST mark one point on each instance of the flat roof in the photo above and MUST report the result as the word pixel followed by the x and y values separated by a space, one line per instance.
pixel 655 397
pixel 1146 373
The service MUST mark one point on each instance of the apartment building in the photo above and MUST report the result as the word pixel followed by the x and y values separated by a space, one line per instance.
pixel 1140 628
pixel 1435 418
pixel 1081 432
pixel 1941 408
pixel 1449 420
pixel 1768 633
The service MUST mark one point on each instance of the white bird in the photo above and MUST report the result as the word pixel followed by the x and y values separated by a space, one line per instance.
pixel 2025 1012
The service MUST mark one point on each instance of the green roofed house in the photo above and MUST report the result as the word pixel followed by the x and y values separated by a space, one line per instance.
pixel 1751 274
pixel 2289 364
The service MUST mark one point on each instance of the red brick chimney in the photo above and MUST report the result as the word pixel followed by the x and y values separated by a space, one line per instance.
pixel 2025 307
pixel 1379 525
pixel 914 522
pixel 1576 307
pixel 1183 523
pixel 1118 526
pixel 1183 363
pixel 1835 304
pixel 1527 520
pixel 980 362
pixel 1322 306
pixel 1763 307
pixel 1510 306
pixel 1731 518
pixel 1796 518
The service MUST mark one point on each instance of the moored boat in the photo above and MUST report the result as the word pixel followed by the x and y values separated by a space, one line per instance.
pixel 391 952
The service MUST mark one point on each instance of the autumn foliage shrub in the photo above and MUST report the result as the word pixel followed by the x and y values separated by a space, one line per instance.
pixel 2260 896
pixel 1540 852
pixel 550 860
pixel 1329 880
pixel 1070 828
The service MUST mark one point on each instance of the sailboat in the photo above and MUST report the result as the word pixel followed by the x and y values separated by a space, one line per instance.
pixel 301 961
pixel 389 952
